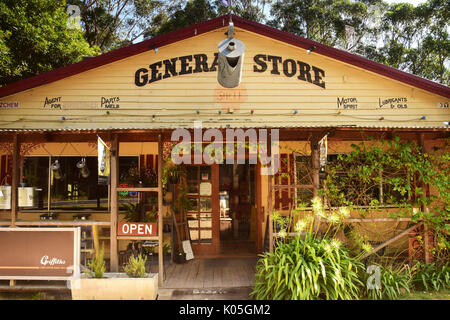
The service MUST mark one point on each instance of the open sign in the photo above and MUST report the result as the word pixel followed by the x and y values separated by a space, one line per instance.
pixel 137 229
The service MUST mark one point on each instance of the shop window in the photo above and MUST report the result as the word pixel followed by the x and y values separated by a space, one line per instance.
pixel 70 187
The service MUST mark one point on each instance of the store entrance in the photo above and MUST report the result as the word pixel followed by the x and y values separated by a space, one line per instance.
pixel 237 209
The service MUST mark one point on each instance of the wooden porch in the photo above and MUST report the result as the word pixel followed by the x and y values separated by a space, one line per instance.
pixel 202 273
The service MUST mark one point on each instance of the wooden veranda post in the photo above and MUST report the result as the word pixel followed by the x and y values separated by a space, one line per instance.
pixel 315 164
pixel 15 179
pixel 160 214
pixel 114 261
pixel 423 186
pixel 269 195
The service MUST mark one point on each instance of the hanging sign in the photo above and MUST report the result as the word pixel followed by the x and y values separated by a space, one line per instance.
pixel 205 189
pixel 323 146
pixel 103 162
pixel 137 229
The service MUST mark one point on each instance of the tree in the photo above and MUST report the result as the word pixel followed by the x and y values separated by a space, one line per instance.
pixel 324 21
pixel 35 37
pixel 177 16
pixel 424 50
pixel 110 24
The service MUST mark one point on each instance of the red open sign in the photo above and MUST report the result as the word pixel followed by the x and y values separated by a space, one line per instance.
pixel 141 229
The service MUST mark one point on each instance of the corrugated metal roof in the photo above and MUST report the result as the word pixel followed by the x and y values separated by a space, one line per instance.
pixel 206 126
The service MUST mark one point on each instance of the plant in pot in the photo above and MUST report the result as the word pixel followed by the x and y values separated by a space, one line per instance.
pixel 134 284
pixel 172 173
pixel 135 212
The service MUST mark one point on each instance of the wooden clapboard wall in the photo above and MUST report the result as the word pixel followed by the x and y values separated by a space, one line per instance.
pixel 266 97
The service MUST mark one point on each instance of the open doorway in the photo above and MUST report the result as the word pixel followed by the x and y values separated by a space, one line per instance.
pixel 237 209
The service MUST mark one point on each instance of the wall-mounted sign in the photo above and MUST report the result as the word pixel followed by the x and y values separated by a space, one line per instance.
pixel 393 103
pixel 53 103
pixel 290 68
pixel 444 105
pixel 110 102
pixel 347 103
pixel 103 159
pixel 137 229
pixel 39 253
pixel 9 105
pixel 200 63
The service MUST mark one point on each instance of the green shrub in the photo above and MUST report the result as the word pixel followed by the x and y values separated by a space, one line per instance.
pixel 430 276
pixel 392 281
pixel 136 267
pixel 97 266
pixel 307 269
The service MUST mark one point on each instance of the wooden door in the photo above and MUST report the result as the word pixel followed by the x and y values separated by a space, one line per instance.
pixel 203 217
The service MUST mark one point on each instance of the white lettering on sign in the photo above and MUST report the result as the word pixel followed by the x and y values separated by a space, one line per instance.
pixel 141 229
pixel 45 260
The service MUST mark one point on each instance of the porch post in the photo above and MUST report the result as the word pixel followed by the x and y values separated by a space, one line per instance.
pixel 423 186
pixel 315 163
pixel 160 215
pixel 15 179
pixel 269 195
pixel 114 261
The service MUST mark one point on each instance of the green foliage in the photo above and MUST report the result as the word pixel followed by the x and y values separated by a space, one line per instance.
pixel 134 213
pixel 35 37
pixel 394 281
pixel 307 269
pixel 97 265
pixel 311 265
pixel 386 174
pixel 136 267
pixel 431 277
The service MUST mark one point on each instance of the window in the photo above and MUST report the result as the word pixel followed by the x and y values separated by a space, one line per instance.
pixel 67 187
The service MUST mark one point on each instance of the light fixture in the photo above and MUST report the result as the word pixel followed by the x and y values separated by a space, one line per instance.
pixel 423 118
pixel 56 169
pixel 295 111
pixel 311 49
pixel 84 170
pixel 197 111
pixel 382 118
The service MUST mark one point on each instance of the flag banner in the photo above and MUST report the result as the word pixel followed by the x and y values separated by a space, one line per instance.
pixel 323 147
pixel 103 162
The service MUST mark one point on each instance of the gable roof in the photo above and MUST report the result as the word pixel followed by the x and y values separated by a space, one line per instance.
pixel 213 24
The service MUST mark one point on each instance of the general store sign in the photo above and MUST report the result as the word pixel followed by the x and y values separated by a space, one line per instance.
pixel 138 229
pixel 39 253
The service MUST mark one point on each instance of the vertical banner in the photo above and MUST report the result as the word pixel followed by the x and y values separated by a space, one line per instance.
pixel 323 146
pixel 103 162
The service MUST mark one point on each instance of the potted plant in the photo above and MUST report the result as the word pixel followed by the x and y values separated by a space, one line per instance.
pixel 172 172
pixel 134 284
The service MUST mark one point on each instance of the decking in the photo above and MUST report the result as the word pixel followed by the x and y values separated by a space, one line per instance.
pixel 202 273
